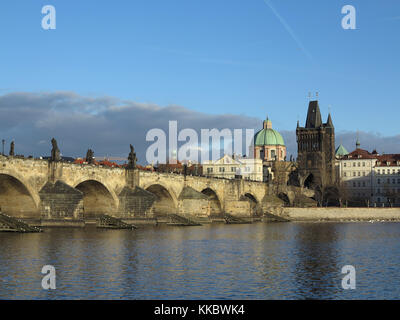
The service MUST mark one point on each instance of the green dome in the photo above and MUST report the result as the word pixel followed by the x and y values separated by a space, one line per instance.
pixel 269 137
pixel 341 151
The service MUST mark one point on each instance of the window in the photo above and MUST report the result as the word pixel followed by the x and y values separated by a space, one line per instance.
pixel 363 164
pixel 233 169
pixel 359 173
pixel 359 163
pixel 364 173
pixel 354 184
pixel 379 181
pixel 354 174
pixel 344 164
pixel 344 174
pixel 354 164
pixel 379 171
pixel 363 184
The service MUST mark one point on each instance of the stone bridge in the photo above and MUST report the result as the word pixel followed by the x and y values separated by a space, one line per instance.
pixel 49 191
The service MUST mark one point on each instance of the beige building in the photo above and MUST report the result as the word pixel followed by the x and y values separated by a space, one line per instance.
pixel 231 167
pixel 369 178
pixel 387 179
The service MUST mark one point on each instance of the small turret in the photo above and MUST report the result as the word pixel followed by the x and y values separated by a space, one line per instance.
pixel 267 124
pixel 358 144
pixel 329 123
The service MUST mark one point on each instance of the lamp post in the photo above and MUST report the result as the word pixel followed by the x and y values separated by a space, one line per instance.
pixel 3 141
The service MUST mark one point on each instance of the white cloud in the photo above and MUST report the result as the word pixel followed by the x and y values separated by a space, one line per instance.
pixel 108 125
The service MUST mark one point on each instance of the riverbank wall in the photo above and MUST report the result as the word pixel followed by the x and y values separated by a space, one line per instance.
pixel 341 214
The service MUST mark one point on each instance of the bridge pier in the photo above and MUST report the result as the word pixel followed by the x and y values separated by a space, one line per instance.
pixel 55 171
pixel 194 205
pixel 135 203
pixel 59 201
pixel 132 177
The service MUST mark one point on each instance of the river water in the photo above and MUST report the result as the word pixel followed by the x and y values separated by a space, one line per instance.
pixel 254 261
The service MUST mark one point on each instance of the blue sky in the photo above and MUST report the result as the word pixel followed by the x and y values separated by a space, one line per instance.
pixel 216 57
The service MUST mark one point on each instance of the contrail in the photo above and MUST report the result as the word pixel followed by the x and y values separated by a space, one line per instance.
pixel 289 29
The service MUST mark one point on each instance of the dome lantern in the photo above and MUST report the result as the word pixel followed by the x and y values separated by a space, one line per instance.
pixel 268 136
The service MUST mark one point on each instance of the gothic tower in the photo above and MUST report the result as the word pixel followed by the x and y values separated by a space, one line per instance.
pixel 316 149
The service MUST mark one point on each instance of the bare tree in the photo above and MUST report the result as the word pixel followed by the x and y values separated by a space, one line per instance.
pixel 390 193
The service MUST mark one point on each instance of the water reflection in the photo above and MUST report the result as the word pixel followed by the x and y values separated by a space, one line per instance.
pixel 257 261
pixel 315 260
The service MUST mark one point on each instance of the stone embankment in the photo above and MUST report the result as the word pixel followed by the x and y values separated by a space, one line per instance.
pixel 341 214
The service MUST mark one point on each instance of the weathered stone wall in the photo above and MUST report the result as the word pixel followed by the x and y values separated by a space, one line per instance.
pixel 194 207
pixel 341 214
pixel 238 208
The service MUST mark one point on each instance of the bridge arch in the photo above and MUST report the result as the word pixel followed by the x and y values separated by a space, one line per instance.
pixel 17 197
pixel 309 182
pixel 166 202
pixel 215 203
pixel 98 198
pixel 254 203
pixel 285 198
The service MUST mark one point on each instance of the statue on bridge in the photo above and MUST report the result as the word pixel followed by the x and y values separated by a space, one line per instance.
pixel 12 145
pixel 55 152
pixel 90 156
pixel 132 158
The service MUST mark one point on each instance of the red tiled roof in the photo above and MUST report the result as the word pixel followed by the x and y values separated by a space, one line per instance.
pixel 98 163
pixel 360 154
pixel 392 159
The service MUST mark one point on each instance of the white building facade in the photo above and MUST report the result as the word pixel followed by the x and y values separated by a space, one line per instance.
pixel 370 178
pixel 229 167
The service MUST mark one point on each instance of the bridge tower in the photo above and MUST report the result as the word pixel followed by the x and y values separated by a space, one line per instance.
pixel 316 149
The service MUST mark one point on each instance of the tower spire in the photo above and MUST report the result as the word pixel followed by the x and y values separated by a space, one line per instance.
pixel 358 141
pixel 314 119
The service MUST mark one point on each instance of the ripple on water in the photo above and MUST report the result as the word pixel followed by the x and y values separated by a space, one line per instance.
pixel 257 261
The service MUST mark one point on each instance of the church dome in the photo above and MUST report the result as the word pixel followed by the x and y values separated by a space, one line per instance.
pixel 268 136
